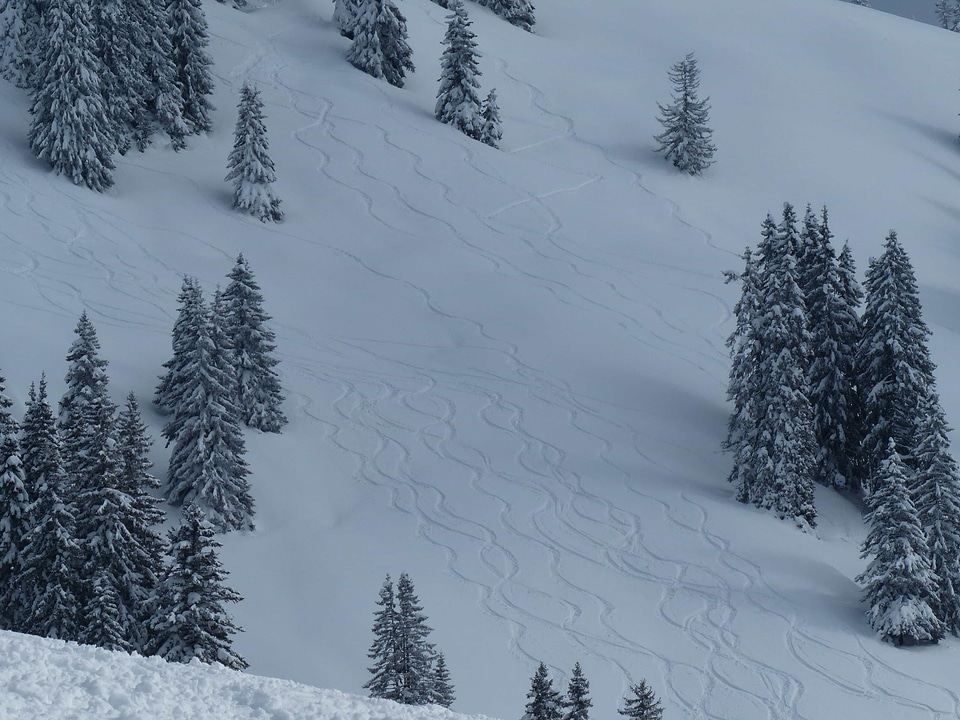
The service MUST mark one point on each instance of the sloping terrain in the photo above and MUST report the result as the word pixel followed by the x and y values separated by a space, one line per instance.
pixel 506 369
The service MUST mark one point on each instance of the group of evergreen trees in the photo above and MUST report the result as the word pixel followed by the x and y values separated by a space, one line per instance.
pixel 407 667
pixel 221 375
pixel 106 75
pixel 379 34
pixel 822 394
pixel 80 554
pixel 546 703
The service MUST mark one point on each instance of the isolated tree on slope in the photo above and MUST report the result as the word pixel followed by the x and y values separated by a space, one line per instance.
pixel 259 396
pixel 457 100
pixel 380 44
pixel 207 462
pixel 415 652
pixel 936 496
pixel 51 558
pixel 899 581
pixel 641 703
pixel 187 28
pixel 544 703
pixel 577 703
pixel 895 373
pixel 834 331
pixel 190 621
pixel 250 167
pixel 72 129
pixel 490 133
pixel 686 139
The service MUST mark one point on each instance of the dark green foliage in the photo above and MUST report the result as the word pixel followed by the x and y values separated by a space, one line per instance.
pixel 686 139
pixel 457 101
pixel 544 703
pixel 250 167
pixel 641 703
pixel 442 692
pixel 187 28
pixel 577 703
pixel 380 44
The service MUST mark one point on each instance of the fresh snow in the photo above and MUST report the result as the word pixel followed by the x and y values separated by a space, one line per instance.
pixel 506 369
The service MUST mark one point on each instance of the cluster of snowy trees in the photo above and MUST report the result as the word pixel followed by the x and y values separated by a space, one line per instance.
pixel 822 394
pixel 104 76
pixel 81 557
pixel 379 33
pixel 407 667
pixel 948 13
pixel 547 703
pixel 686 139
pixel 221 375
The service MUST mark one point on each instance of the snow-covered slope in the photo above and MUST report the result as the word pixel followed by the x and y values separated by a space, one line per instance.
pixel 44 679
pixel 506 370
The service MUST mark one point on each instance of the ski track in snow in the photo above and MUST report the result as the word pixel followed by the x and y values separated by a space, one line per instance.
pixel 392 414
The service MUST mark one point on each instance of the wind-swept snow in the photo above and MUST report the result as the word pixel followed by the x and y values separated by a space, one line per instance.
pixel 506 369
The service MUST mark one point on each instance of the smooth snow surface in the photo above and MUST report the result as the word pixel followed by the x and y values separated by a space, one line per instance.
pixel 506 369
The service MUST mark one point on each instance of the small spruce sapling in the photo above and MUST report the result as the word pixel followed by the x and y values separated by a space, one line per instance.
pixel 490 133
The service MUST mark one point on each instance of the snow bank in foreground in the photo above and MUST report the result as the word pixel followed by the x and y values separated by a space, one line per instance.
pixel 49 679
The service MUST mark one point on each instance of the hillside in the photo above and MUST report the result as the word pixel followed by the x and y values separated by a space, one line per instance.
pixel 506 369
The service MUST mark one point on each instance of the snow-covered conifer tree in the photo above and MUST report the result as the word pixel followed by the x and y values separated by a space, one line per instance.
pixel 345 16
pixel 516 12
pixel 686 139
pixel 250 167
pixel 895 373
pixel 15 507
pixel 380 44
pixel 415 653
pixel 900 585
pixel 457 101
pixel 207 462
pixel 187 28
pixel 259 396
pixel 834 331
pixel 190 620
pixel 442 692
pixel 50 576
pixel 544 703
pixel 21 32
pixel 490 133
pixel 641 703
pixel 385 682
pixel 936 496
pixel 72 128
pixel 577 703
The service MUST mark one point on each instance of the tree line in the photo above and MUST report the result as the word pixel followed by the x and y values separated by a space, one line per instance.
pixel 824 394
pixel 81 555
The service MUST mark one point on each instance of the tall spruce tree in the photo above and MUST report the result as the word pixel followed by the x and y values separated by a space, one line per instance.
pixel 577 703
pixel 415 653
pixel 15 506
pixel 380 45
pixel 834 333
pixel 543 701
pixel 190 621
pixel 774 453
pixel 490 133
pixel 187 28
pixel 190 318
pixel 899 583
pixel 936 496
pixel 21 31
pixel 50 574
pixel 385 682
pixel 895 373
pixel 207 463
pixel 122 79
pixel 250 168
pixel 641 703
pixel 72 128
pixel 457 101
pixel 259 396
pixel 686 139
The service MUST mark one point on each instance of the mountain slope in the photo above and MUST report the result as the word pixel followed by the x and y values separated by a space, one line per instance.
pixel 507 369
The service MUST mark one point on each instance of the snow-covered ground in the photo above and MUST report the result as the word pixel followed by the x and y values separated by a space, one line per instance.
pixel 506 369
